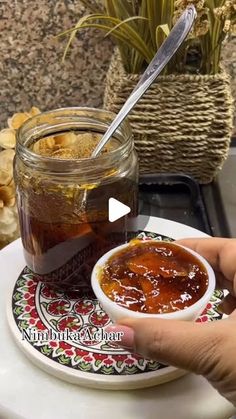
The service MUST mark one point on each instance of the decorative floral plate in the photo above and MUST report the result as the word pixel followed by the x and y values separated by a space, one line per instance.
pixel 47 324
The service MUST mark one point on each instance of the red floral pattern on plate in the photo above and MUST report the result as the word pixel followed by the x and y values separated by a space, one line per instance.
pixel 58 307
pixel 36 307
pixel 99 318
pixel 83 307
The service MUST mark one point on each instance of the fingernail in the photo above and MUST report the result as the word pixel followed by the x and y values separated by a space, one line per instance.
pixel 121 335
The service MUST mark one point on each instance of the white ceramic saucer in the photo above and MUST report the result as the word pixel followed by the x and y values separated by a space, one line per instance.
pixel 27 392
pixel 33 308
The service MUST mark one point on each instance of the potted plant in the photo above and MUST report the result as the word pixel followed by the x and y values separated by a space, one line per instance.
pixel 184 121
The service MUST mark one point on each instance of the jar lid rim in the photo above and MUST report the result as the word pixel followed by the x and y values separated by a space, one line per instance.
pixel 65 165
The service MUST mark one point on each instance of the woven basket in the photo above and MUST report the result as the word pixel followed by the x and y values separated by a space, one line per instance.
pixel 182 124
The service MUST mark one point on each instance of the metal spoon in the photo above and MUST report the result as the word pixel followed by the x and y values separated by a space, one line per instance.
pixel 171 44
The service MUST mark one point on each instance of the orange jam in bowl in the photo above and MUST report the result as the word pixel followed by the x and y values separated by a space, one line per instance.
pixel 152 278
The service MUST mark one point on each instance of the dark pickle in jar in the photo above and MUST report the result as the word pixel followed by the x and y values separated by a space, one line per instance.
pixel 154 277
pixel 64 221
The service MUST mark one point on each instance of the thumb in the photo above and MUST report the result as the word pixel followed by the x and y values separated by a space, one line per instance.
pixel 187 345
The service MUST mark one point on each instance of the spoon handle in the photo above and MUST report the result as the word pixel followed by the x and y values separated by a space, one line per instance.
pixel 171 44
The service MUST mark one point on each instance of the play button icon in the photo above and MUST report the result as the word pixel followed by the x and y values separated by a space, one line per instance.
pixel 117 209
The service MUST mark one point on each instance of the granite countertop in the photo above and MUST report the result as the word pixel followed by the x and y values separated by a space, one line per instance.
pixel 32 72
pixel 30 58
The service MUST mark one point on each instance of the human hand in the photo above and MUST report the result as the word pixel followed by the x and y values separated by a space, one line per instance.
pixel 209 348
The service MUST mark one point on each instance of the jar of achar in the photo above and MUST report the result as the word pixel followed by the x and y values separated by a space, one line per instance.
pixel 63 193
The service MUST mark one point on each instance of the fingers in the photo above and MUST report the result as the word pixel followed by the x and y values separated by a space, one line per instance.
pixel 223 283
pixel 220 253
pixel 209 248
pixel 232 315
pixel 186 345
pixel 228 305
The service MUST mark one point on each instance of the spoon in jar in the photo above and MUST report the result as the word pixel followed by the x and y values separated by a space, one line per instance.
pixel 168 48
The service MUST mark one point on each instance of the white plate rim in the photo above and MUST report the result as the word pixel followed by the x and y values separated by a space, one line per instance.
pixel 157 225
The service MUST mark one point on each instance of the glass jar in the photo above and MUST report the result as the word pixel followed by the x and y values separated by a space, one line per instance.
pixel 63 201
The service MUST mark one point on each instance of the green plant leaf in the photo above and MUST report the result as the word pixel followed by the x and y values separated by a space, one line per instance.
pixel 120 9
pixel 154 17
pixel 164 28
pixel 124 21
pixel 124 33
pixel 167 11
pixel 110 8
pixel 142 27
pixel 139 27
pixel 73 34
pixel 162 31
pixel 123 48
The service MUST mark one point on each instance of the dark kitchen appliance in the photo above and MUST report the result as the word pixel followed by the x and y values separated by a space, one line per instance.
pixel 210 208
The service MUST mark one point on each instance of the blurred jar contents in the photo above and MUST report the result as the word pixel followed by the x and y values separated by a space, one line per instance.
pixel 63 193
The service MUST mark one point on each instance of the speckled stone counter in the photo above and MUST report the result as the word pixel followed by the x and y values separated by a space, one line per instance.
pixel 30 58
pixel 32 72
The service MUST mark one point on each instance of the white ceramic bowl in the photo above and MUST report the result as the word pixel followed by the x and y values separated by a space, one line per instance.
pixel 116 311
